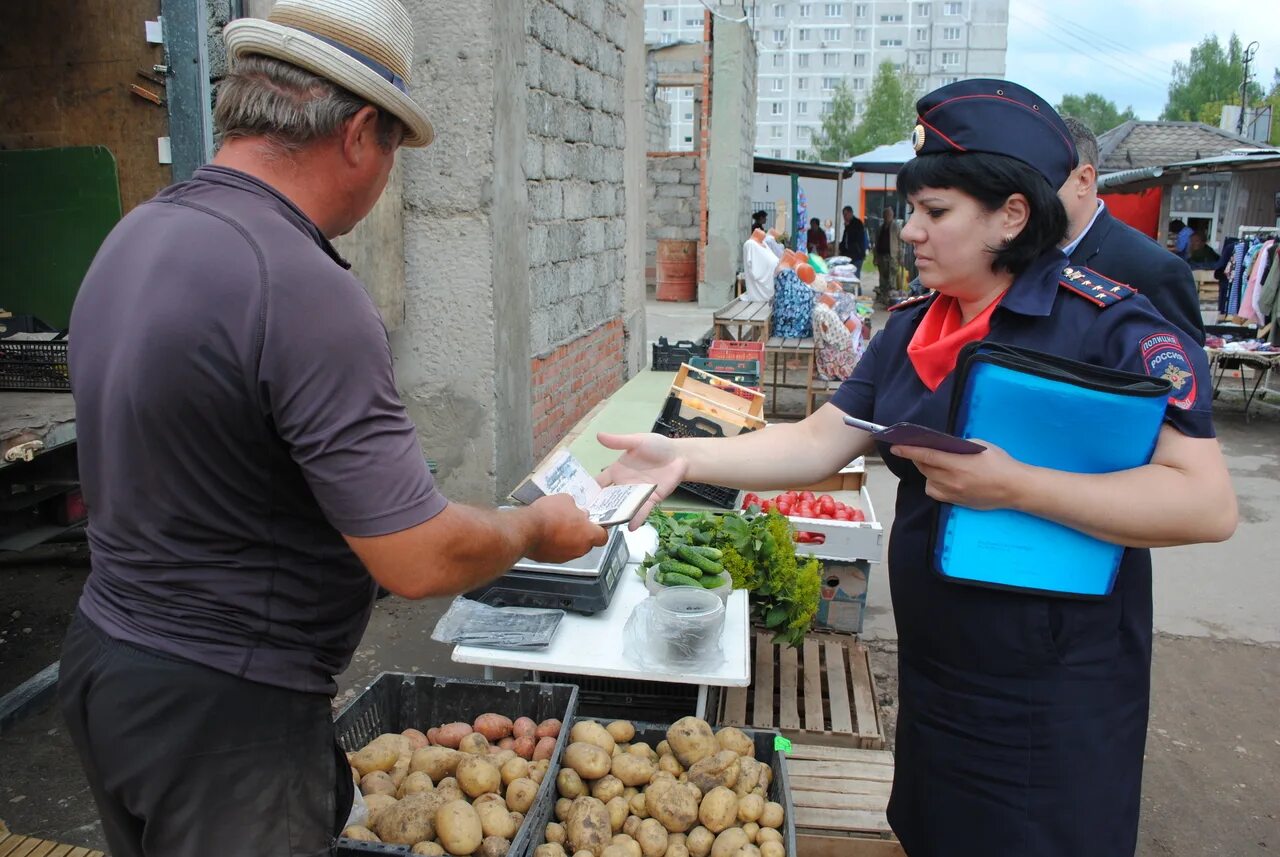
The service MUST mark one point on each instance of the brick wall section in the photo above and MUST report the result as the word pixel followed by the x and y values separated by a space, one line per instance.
pixel 571 379
pixel 675 181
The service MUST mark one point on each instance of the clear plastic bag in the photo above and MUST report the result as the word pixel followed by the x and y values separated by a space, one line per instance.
pixel 470 623
pixel 679 628
pixel 359 811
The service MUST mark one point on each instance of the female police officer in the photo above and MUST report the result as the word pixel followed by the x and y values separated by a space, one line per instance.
pixel 1022 717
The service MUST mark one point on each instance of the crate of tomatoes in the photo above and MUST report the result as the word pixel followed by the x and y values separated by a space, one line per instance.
pixel 826 525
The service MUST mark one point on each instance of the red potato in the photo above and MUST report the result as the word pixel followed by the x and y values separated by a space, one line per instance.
pixel 416 738
pixel 548 729
pixel 545 749
pixel 432 734
pixel 507 744
pixel 495 727
pixel 451 734
pixel 524 727
pixel 526 745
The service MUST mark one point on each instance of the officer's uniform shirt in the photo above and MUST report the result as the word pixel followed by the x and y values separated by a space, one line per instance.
pixel 1023 717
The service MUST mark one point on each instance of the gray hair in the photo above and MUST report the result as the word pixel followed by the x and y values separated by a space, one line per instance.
pixel 289 106
pixel 1086 142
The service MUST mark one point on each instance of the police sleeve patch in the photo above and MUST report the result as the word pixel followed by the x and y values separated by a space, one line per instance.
pixel 1163 357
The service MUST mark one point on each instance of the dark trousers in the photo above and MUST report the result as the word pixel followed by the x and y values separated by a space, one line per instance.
pixel 186 761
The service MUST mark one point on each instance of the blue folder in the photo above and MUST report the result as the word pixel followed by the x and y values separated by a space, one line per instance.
pixel 1050 412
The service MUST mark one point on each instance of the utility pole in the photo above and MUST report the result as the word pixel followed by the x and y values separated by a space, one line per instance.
pixel 1249 53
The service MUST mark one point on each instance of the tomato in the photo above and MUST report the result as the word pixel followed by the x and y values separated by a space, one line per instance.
pixel 826 504
pixel 856 515
pixel 766 505
pixel 807 495
pixel 785 506
pixel 843 515
pixel 789 496
pixel 750 500
pixel 807 510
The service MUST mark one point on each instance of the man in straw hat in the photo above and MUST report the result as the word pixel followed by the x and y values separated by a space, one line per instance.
pixel 251 472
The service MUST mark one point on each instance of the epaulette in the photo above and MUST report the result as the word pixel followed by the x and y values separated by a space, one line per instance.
pixel 909 302
pixel 1094 287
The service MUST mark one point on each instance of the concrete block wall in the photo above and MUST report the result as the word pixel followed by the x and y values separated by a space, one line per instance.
pixel 674 202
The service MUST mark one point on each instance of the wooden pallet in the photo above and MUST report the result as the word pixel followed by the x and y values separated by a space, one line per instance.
pixel 823 694
pixel 12 845
pixel 840 796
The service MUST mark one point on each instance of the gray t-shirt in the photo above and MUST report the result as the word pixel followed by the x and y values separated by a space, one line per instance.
pixel 236 413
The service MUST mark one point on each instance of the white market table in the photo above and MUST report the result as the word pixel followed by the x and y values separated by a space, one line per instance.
pixel 593 645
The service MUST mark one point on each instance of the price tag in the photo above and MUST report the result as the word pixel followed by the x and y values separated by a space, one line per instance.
pixel 782 745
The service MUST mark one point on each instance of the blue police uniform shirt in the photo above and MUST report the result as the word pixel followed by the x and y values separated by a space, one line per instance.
pixel 1022 714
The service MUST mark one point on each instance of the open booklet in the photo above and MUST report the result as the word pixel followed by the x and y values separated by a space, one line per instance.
pixel 564 474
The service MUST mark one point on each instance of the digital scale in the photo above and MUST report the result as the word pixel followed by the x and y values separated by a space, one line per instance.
pixel 585 585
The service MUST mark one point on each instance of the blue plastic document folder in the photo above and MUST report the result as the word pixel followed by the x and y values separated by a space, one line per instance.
pixel 1050 412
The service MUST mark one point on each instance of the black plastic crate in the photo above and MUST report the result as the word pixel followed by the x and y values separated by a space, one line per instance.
pixel 671 424
pixel 745 373
pixel 399 701
pixel 34 365
pixel 614 698
pixel 653 734
pixel 668 356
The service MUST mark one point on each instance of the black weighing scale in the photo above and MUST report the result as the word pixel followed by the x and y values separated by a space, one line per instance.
pixel 585 585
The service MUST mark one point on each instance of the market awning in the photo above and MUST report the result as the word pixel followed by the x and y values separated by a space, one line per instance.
pixel 884 159
pixel 1230 162
pixel 804 169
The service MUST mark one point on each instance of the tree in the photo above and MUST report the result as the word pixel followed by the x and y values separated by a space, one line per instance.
pixel 889 116
pixel 835 140
pixel 1098 113
pixel 1211 75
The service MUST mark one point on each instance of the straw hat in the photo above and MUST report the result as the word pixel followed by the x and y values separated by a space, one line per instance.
pixel 364 46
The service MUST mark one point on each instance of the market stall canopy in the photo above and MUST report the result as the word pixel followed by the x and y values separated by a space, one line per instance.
pixel 888 158
pixel 804 169
pixel 1230 162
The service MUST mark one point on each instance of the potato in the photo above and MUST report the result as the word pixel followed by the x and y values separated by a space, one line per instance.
pixel 673 805
pixel 544 749
pixel 719 809
pixel 590 761
pixel 549 849
pixel 752 830
pixel 749 771
pixel 632 770
pixel 518 818
pixel 768 834
pixel 588 827
pixel 375 757
pixel 677 850
pixel 663 748
pixel 501 757
pixel 415 783
pixel 355 777
pixel 772 814
pixel 642 750
pixel 631 825
pixel 376 803
pixel 429 849
pixel 377 783
pixel 408 821
pixel 691 740
pixel 360 834
pixel 629 845
pixel 520 794
pixel 758 790
pixel 494 846
pixel 458 827
pixel 718 769
pixel 639 806
pixel 749 850
pixel 495 727
pixel 495 820
pixel 504 744
pixel 766 775
pixel 416 738
pixel 699 842
pixel 477 776
pixel 772 849
pixel 652 837
pixel 548 729
pixel 514 769
pixel 729 842
pixel 616 851
pixel 451 734
pixel 591 732
pixel 448 789
pixel 569 784
pixel 436 762
pixel 732 738
pixel 401 770
pixel 583 854
pixel 607 788
pixel 621 731
pixel 750 808
pixel 524 727
pixel 525 746
pixel 563 805
pixel 538 770
pixel 619 809
pixel 475 744
pixel 555 833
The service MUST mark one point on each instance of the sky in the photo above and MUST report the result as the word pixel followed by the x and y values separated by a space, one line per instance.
pixel 1124 49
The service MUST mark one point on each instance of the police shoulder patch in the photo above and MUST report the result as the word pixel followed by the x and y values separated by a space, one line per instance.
pixel 1094 287
pixel 1164 357
pixel 910 302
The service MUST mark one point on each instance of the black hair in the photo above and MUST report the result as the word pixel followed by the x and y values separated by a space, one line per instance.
pixel 992 179
pixel 760 215
pixel 848 209
pixel 813 221
pixel 1176 224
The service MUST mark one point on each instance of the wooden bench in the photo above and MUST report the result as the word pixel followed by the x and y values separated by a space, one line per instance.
pixel 840 796
pixel 745 321
pixel 12 845
pixel 823 694
pixel 779 353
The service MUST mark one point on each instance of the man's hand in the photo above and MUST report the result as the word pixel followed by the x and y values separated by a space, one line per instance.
pixel 989 480
pixel 566 531
pixel 646 458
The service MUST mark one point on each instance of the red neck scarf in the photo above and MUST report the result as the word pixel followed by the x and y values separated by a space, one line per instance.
pixel 936 344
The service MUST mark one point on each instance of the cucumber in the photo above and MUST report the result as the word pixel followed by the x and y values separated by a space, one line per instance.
pixel 710 553
pixel 692 557
pixel 674 579
pixel 671 566
pixel 711 581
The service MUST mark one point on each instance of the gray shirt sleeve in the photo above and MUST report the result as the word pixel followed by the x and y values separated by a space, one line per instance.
pixel 326 380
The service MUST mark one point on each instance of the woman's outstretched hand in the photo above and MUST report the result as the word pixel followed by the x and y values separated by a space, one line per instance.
pixel 646 458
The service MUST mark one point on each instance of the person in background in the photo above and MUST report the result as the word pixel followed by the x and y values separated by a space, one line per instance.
pixel 1200 256
pixel 757 221
pixel 1181 237
pixel 830 230
pixel 817 238
pixel 853 241
pixel 1097 240
pixel 888 246
pixel 251 473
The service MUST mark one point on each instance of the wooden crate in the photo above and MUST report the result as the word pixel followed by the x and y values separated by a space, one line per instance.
pixel 12 845
pixel 822 694
pixel 840 796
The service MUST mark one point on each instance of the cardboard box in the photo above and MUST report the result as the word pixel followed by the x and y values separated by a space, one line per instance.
pixel 843 603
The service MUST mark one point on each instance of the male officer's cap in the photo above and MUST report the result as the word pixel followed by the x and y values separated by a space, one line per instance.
pixel 997 117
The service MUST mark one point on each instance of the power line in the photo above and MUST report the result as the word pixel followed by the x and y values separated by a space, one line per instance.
pixel 1139 79
pixel 1115 63
pixel 1097 37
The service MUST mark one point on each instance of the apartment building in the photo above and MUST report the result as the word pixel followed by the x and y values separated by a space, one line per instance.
pixel 807 48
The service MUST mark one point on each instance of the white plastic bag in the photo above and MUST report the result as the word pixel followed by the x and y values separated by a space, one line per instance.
pixel 679 628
